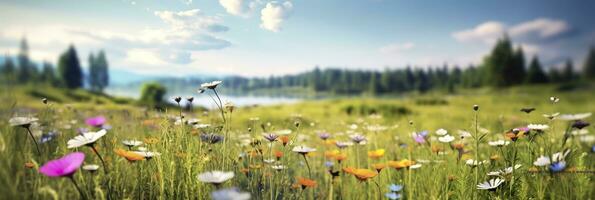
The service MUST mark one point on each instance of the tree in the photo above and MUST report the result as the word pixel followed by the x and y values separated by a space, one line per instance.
pixel 535 73
pixel 589 68
pixel 554 75
pixel 568 73
pixel 70 69
pixel 152 94
pixel 47 73
pixel 27 71
pixel 103 70
pixel 502 65
pixel 8 69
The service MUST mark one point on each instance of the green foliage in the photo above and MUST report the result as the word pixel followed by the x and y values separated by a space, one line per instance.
pixel 503 66
pixel 589 68
pixel 98 72
pixel 70 69
pixel 152 94
pixel 27 71
pixel 535 73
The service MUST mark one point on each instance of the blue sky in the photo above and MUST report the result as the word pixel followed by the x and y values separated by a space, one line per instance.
pixel 261 37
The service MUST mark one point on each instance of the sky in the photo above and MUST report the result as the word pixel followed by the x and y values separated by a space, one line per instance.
pixel 262 37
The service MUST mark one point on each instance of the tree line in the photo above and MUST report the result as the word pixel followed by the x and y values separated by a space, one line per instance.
pixel 68 74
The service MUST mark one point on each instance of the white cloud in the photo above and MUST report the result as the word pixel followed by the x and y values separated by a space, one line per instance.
pixel 273 15
pixel 192 20
pixel 541 27
pixel 239 7
pixel 397 48
pixel 487 32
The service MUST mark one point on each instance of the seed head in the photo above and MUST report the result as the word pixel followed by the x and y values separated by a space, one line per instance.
pixel 178 99
pixel 475 107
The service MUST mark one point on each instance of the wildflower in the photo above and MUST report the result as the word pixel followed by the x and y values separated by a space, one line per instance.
pixel 210 85
pixel 63 167
pixel 268 161
pixel 505 171
pixel 278 167
pixel 88 138
pixel 177 99
pixel 556 157
pixel 415 166
pixel 554 99
pixel 131 143
pixel 342 145
pixel 420 138
pixel 551 116
pixel 44 100
pixel 358 139
pixel 340 157
pixel 378 166
pixel 494 157
pixel 278 154
pixel 151 140
pixel 324 135
pixel 190 99
pixel 474 163
pixel 364 174
pixel 331 154
pixel 446 139
pixel 24 122
pixel 376 153
pixel 147 154
pixel 29 165
pixel 348 170
pixel 392 195
pixel 395 188
pixel 527 110
pixel 538 127
pixel 215 177
pixel 401 164
pixel 230 194
pixel 329 164
pixel 229 106
pixel 573 117
pixel 464 134
pixel 211 138
pixel 129 155
pixel 458 146
pixel 498 143
pixel 90 168
pixel 558 166
pixel 303 149
pixel 475 107
pixel 580 124
pixel 96 121
pixel 441 132
pixel 46 137
pixel 490 185
pixel 270 137
pixel 284 140
pixel 305 183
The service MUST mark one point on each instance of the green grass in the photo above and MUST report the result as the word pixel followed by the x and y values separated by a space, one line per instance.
pixel 173 175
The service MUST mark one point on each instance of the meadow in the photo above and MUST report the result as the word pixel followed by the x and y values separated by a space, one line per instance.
pixel 422 146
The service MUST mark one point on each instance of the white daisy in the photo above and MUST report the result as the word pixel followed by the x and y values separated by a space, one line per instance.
pixel 210 85
pixel 269 161
pixel 147 154
pixel 141 148
pixel 580 132
pixel 441 132
pixel 573 117
pixel 230 194
pixel 491 184
pixel 498 143
pixel 303 149
pixel 131 143
pixel 474 163
pixel 90 168
pixel 446 139
pixel 551 116
pixel 556 157
pixel 415 166
pixel 215 177
pixel 201 126
pixel 86 139
pixel 540 127
pixel 279 167
pixel 464 134
pixel 505 171
pixel 22 121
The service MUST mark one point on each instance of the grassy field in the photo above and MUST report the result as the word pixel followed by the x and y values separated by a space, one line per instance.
pixel 265 169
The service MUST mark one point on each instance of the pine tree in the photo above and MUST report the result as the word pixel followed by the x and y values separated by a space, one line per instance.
pixel 589 68
pixel 70 69
pixel 535 73
pixel 103 70
pixel 93 73
pixel 568 73
pixel 27 71
pixel 501 66
pixel 47 73
pixel 8 69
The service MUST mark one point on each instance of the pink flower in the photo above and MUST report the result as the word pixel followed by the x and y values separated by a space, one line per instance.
pixel 95 121
pixel 65 166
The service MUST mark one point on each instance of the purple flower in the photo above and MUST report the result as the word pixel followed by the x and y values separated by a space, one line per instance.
pixel 580 124
pixel 423 133
pixel 324 135
pixel 46 137
pixel 270 137
pixel 358 138
pixel 95 121
pixel 211 138
pixel 420 138
pixel 64 166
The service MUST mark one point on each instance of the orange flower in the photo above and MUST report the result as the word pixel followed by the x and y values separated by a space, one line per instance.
pixel 254 166
pixel 330 142
pixel 284 140
pixel 495 157
pixel 364 174
pixel 379 166
pixel 130 156
pixel 305 182
pixel 436 148
pixel 378 153
pixel 400 164
pixel 331 154
pixel 340 157
pixel 278 154
pixel 458 146
pixel 29 165
pixel 245 170
pixel 349 170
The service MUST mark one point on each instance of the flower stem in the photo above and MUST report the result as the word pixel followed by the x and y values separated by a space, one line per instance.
pixel 308 165
pixel 220 105
pixel 101 159
pixel 34 141
pixel 77 187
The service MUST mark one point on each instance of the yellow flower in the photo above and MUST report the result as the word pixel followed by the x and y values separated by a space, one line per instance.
pixel 378 166
pixel 130 156
pixel 376 153
pixel 364 174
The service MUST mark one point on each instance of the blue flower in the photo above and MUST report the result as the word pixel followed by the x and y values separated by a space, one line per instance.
pixel 329 164
pixel 211 138
pixel 558 166
pixel 46 137
pixel 395 188
pixel 593 149
pixel 392 195
pixel 423 133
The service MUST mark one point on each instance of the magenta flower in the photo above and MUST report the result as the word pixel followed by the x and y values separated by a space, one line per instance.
pixel 420 138
pixel 95 121
pixel 63 167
